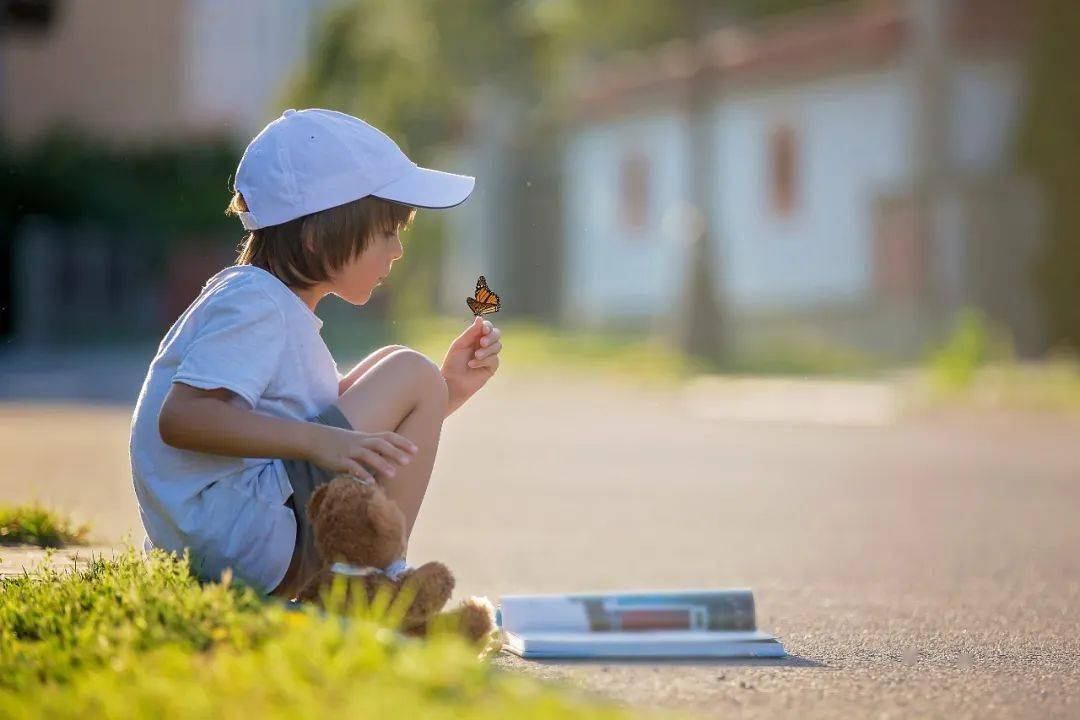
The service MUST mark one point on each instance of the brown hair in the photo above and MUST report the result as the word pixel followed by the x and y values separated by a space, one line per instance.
pixel 307 250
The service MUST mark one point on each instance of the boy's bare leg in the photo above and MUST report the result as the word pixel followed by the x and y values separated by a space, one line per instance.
pixel 404 392
pixel 367 363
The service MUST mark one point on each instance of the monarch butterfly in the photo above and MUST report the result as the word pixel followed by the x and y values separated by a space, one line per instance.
pixel 485 301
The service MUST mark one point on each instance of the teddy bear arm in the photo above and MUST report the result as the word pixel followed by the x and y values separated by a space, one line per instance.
pixel 473 620
pixel 432 584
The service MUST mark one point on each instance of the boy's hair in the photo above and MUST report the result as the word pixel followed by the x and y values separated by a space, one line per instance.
pixel 307 250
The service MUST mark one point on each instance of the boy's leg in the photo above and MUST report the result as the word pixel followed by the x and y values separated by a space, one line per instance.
pixel 404 392
pixel 369 362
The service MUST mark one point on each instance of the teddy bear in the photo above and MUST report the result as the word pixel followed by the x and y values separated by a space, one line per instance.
pixel 360 533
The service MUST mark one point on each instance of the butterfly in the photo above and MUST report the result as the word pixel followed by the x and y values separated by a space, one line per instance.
pixel 485 301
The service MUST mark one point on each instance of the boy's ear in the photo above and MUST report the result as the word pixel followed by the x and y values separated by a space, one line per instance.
pixel 316 501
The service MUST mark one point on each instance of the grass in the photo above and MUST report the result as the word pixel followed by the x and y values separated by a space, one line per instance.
pixel 36 525
pixel 535 347
pixel 802 354
pixel 1048 386
pixel 530 346
pixel 976 368
pixel 128 637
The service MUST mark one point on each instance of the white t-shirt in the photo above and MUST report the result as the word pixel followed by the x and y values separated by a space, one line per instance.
pixel 248 333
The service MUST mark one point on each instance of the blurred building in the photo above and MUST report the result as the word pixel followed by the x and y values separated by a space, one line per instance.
pixel 130 74
pixel 131 70
pixel 851 169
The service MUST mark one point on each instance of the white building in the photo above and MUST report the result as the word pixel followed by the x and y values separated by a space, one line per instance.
pixel 818 159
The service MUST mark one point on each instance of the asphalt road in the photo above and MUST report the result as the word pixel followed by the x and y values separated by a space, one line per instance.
pixel 926 568
pixel 930 567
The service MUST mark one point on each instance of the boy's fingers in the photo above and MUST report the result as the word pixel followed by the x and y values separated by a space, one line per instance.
pixel 399 440
pixel 492 350
pixel 356 470
pixel 488 362
pixel 374 460
pixel 491 337
pixel 389 450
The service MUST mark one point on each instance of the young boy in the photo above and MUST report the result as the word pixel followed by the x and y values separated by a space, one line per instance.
pixel 243 412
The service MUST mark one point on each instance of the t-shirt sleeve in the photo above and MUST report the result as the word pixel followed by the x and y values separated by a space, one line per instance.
pixel 237 345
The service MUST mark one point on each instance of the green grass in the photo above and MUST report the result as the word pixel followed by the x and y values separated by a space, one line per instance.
pixel 802 354
pixel 977 368
pixel 35 525
pixel 129 637
pixel 535 347
pixel 1049 386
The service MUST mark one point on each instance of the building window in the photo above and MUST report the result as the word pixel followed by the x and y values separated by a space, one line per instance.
pixel 634 191
pixel 900 261
pixel 783 175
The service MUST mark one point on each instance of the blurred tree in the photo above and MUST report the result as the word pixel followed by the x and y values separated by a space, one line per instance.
pixel 410 67
pixel 1050 147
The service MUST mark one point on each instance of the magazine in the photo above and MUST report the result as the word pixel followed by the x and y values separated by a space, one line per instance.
pixel 699 623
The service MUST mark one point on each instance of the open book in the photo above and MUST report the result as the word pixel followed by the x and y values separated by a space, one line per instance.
pixel 699 623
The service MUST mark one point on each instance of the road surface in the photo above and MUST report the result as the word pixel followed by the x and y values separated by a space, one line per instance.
pixel 927 567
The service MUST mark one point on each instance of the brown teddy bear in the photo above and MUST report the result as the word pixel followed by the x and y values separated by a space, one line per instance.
pixel 362 532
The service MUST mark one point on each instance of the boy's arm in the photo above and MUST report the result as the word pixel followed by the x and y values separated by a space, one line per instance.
pixel 217 422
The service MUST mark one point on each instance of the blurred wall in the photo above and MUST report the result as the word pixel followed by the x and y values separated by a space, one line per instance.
pixel 623 266
pixel 129 71
pixel 851 138
pixel 858 158
pixel 111 67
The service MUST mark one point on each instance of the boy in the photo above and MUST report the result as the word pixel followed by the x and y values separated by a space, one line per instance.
pixel 243 412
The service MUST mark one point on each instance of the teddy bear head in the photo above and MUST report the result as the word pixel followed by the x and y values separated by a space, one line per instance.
pixel 356 523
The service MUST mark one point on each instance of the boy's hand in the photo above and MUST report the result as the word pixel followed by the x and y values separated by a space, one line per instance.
pixel 360 454
pixel 471 361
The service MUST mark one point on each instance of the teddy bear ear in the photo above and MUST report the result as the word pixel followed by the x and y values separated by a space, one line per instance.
pixel 316 501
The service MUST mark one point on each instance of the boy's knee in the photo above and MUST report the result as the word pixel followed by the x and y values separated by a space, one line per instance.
pixel 422 370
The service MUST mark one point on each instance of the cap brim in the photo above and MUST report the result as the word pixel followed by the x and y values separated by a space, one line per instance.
pixel 423 188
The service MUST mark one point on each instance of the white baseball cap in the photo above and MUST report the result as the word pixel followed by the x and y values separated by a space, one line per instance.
pixel 311 160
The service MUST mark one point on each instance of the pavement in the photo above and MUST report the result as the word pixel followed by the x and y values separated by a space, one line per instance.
pixel 913 565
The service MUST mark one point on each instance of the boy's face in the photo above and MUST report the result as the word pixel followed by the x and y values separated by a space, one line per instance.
pixel 356 280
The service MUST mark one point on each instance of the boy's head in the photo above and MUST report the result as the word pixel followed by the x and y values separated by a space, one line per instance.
pixel 350 247
pixel 324 196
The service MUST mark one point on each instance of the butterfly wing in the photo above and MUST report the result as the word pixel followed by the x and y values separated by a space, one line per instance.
pixel 485 301
pixel 483 292
pixel 481 308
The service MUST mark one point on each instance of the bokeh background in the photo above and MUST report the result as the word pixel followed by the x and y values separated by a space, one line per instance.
pixel 791 299
pixel 766 185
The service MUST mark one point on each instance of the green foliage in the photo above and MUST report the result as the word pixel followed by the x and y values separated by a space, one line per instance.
pixel 954 366
pixel 1049 386
pixel 1050 147
pixel 164 190
pixel 410 66
pixel 976 368
pixel 129 638
pixel 35 525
